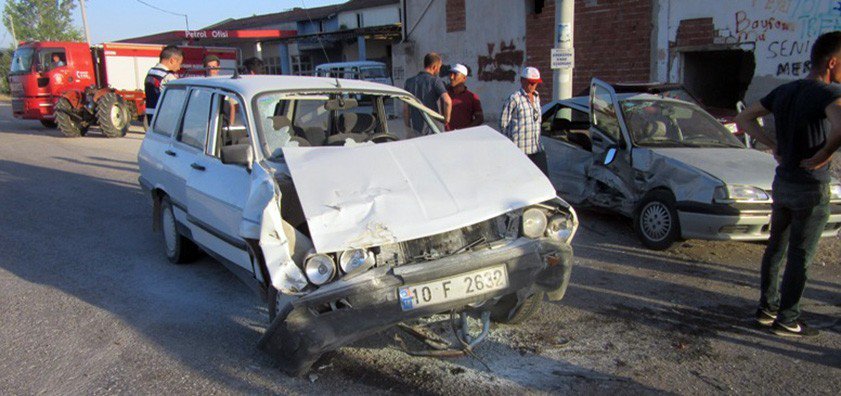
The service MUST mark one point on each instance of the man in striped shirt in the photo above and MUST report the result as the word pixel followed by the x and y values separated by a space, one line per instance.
pixel 170 62
pixel 520 119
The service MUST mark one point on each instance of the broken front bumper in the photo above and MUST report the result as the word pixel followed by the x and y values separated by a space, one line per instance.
pixel 719 224
pixel 355 307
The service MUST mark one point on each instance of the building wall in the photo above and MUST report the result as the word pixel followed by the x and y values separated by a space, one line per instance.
pixel 376 50
pixel 778 33
pixel 492 45
pixel 376 16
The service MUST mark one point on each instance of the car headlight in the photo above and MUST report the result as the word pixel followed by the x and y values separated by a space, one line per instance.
pixel 352 260
pixel 737 192
pixel 835 192
pixel 319 268
pixel 534 223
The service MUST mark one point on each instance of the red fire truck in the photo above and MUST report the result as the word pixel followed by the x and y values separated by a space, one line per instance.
pixel 74 86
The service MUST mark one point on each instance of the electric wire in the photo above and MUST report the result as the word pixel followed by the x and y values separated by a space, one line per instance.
pixel 186 18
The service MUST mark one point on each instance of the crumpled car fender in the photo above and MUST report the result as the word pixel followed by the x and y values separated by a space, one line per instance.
pixel 686 182
pixel 279 242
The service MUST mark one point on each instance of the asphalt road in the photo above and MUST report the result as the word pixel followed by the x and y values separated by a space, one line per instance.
pixel 90 305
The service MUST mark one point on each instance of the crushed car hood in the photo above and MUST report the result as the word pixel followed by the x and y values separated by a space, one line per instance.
pixel 369 195
pixel 730 165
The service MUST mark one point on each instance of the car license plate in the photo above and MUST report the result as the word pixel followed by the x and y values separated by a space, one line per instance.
pixel 453 288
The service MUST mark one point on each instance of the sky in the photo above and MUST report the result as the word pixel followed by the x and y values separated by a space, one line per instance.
pixel 110 20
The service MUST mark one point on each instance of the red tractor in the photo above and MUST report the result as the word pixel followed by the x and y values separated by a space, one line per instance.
pixel 73 86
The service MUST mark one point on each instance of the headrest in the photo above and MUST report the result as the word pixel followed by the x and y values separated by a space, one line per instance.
pixel 279 122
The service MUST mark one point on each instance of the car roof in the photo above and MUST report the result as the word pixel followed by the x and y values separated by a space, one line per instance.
pixel 336 65
pixel 250 85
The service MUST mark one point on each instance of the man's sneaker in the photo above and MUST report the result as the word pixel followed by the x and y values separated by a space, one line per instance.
pixel 765 317
pixel 796 329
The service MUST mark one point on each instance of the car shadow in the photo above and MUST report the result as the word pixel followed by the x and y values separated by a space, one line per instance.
pixel 90 238
pixel 686 299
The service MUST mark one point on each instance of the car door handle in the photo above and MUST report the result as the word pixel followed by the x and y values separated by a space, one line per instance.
pixel 196 166
pixel 170 153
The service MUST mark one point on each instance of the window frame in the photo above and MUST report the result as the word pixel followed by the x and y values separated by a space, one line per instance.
pixel 212 148
pixel 177 136
pixel 180 116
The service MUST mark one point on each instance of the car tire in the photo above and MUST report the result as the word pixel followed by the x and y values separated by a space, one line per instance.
pixel 501 311
pixel 178 248
pixel 112 115
pixel 49 124
pixel 656 221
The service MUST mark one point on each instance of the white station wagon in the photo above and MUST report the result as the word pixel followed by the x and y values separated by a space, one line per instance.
pixel 345 220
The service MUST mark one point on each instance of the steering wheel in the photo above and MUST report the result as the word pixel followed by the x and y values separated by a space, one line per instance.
pixel 383 137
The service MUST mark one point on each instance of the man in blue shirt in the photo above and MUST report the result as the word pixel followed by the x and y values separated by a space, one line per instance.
pixel 803 146
pixel 430 90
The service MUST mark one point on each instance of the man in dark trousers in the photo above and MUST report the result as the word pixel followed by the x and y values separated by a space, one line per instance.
pixel 803 147
pixel 466 109
pixel 520 119
pixel 169 63
pixel 430 90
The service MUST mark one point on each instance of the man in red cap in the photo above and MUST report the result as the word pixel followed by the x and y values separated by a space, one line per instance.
pixel 520 119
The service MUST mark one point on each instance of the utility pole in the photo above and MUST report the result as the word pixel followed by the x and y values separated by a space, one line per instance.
pixel 563 54
pixel 12 26
pixel 85 22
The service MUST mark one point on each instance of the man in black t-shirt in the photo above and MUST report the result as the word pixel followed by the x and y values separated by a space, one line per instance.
pixel 803 146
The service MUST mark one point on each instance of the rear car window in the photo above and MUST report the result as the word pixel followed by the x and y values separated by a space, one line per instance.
pixel 196 119
pixel 166 119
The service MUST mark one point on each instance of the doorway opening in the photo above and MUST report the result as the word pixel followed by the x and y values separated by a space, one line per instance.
pixel 718 78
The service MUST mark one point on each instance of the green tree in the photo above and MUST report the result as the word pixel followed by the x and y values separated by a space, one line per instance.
pixel 37 20
pixel 42 20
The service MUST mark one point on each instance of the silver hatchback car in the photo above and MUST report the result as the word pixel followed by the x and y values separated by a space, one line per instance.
pixel 342 217
pixel 665 163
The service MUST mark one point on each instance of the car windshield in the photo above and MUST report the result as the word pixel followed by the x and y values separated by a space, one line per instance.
pixel 330 119
pixel 374 72
pixel 674 124
pixel 22 60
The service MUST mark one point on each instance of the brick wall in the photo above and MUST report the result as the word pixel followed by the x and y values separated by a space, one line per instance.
pixel 612 41
pixel 691 32
pixel 456 18
pixel 540 39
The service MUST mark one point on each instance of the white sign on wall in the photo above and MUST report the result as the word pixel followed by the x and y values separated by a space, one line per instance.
pixel 562 58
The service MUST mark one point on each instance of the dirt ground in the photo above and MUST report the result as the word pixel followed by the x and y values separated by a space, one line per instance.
pixel 90 305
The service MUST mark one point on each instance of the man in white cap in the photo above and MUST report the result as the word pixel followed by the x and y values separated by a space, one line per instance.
pixel 467 109
pixel 520 119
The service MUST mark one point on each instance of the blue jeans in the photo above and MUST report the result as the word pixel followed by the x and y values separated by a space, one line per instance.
pixel 798 217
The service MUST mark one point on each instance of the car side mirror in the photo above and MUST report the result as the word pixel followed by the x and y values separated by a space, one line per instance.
pixel 237 154
pixel 610 156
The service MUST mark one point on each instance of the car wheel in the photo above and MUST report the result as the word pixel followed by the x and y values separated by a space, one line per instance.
pixel 502 311
pixel 656 222
pixel 178 249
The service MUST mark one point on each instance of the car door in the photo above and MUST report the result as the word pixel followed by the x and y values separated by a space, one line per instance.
pixel 568 150
pixel 188 142
pixel 609 132
pixel 217 190
pixel 157 157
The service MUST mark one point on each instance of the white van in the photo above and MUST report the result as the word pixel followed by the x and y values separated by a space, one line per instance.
pixel 360 70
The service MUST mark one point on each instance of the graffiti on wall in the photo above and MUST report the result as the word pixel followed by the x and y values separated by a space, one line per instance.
pixel 501 64
pixel 784 30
